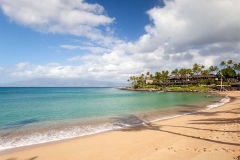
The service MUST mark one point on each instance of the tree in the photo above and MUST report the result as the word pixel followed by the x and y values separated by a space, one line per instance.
pixel 189 72
pixel 183 73
pixel 151 76
pixel 132 79
pixel 228 72
pixel 205 72
pixel 148 74
pixel 158 76
pixel 223 63
pixel 141 80
pixel 213 69
pixel 201 67
pixel 229 63
pixel 236 67
pixel 164 76
pixel 136 81
pixel 175 73
pixel 195 68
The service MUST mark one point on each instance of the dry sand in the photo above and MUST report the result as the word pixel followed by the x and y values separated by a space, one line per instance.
pixel 213 134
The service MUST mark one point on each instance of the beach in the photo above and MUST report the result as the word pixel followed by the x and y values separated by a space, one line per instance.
pixel 209 134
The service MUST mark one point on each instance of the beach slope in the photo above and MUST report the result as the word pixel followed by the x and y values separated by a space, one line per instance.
pixel 211 134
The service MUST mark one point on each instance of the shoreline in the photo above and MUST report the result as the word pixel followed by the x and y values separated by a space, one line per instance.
pixel 166 90
pixel 128 120
pixel 129 134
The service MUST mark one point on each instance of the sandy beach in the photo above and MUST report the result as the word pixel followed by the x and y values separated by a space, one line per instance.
pixel 211 134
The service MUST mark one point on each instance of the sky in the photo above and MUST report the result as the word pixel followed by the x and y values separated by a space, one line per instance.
pixel 113 40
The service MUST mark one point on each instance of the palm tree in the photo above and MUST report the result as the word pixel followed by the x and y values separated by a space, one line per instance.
pixel 236 67
pixel 158 76
pixel 151 75
pixel 213 69
pixel 164 76
pixel 223 63
pixel 183 73
pixel 189 72
pixel 205 72
pixel 141 80
pixel 229 63
pixel 148 73
pixel 200 68
pixel 136 81
pixel 195 68
pixel 133 80
pixel 175 72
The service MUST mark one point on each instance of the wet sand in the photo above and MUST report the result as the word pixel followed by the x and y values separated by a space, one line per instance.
pixel 210 134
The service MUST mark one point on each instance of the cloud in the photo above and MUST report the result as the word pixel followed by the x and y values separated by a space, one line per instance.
pixel 76 58
pixel 190 23
pixel 204 32
pixel 114 66
pixel 1 70
pixel 22 65
pixel 75 17
pixel 184 32
pixel 92 49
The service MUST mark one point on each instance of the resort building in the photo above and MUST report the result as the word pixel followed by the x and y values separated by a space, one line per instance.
pixel 190 80
pixel 149 80
pixel 235 86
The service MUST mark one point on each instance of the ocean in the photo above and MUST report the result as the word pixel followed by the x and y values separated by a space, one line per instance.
pixel 31 116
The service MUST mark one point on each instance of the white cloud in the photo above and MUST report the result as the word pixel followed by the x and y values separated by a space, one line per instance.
pixel 201 32
pixel 75 17
pixel 204 32
pixel 110 67
pixel 195 23
pixel 92 49
pixel 22 65
pixel 76 58
pixel 1 69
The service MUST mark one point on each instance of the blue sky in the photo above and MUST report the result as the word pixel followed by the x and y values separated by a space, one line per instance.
pixel 112 40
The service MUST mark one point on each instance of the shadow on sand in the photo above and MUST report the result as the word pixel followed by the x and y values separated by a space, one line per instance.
pixel 33 158
pixel 139 124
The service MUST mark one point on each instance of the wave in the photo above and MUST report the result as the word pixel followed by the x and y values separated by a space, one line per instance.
pixel 76 131
pixel 226 99
pixel 54 135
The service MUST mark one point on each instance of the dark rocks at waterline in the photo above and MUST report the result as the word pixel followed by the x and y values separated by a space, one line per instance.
pixel 182 90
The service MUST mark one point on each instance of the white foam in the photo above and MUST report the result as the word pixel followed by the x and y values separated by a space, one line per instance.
pixel 52 135
pixel 226 99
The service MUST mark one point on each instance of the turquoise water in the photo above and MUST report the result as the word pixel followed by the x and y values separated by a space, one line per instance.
pixel 38 115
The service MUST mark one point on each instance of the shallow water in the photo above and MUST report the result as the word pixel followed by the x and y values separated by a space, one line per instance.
pixel 38 115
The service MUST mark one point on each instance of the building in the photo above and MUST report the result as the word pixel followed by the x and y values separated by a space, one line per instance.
pixel 191 79
pixel 149 80
pixel 180 80
pixel 235 86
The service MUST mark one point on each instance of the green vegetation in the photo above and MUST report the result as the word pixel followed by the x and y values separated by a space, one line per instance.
pixel 151 86
pixel 189 88
pixel 189 79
